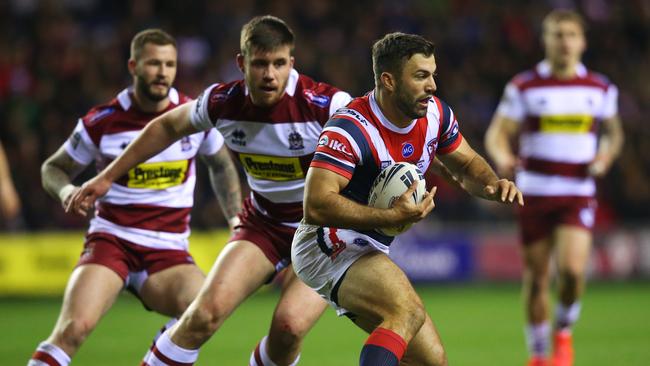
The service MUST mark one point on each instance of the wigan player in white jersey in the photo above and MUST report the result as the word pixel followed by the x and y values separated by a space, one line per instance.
pixel 336 250
pixel 557 109
pixel 271 121
pixel 138 238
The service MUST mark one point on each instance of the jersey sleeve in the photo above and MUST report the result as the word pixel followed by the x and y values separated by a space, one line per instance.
pixel 450 137
pixel 212 142
pixel 80 146
pixel 337 149
pixel 199 115
pixel 339 100
pixel 512 105
pixel 610 108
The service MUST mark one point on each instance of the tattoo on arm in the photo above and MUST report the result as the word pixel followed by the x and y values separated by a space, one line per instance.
pixel 225 182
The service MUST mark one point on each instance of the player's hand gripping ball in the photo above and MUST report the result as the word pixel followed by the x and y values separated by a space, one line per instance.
pixel 391 183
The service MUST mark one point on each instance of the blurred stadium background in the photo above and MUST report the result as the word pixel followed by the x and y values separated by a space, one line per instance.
pixel 58 58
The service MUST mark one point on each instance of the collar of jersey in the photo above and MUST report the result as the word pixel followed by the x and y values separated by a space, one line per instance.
pixel 384 121
pixel 544 69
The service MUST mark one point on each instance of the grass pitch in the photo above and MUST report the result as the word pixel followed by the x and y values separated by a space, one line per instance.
pixel 479 325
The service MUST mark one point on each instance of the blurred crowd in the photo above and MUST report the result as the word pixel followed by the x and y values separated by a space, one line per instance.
pixel 59 58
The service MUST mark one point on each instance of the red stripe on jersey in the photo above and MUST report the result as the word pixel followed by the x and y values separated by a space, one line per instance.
pixel 588 81
pixel 331 167
pixel 45 357
pixel 147 217
pixel 452 147
pixel 556 168
pixel 168 361
pixel 282 212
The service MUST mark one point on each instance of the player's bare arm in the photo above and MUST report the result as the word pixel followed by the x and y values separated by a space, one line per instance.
pixel 498 144
pixel 324 205
pixel 57 173
pixel 477 176
pixel 158 135
pixel 610 145
pixel 225 184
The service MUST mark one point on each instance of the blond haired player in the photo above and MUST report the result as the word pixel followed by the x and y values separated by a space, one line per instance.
pixel 557 109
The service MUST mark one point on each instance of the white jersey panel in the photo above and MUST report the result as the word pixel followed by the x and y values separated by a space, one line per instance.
pixel 566 148
pixel 536 184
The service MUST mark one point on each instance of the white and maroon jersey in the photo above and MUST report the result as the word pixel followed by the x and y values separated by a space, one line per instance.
pixel 358 142
pixel 150 206
pixel 559 127
pixel 274 144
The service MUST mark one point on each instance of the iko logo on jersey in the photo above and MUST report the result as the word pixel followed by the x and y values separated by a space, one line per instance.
pixel 275 168
pixel 158 175
pixel 407 149
pixel 334 144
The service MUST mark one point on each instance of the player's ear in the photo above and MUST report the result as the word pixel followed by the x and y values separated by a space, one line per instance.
pixel 388 81
pixel 292 61
pixel 240 62
pixel 131 64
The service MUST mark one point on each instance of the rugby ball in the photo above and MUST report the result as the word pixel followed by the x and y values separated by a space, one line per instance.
pixel 391 183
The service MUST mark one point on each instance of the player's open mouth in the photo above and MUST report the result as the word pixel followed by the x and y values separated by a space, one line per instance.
pixel 268 89
pixel 424 101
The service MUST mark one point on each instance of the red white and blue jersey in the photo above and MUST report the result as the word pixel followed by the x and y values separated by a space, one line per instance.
pixel 150 205
pixel 359 141
pixel 559 128
pixel 274 144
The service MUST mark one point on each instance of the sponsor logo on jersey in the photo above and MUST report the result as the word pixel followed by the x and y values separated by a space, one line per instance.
pixel 75 139
pixel 295 141
pixel 158 175
pixel 276 168
pixel 323 141
pixel 385 164
pixel 99 115
pixel 320 100
pixel 186 143
pixel 568 123
pixel 360 242
pixel 407 149
pixel 336 145
pixel 431 145
pixel 238 137
pixel 352 113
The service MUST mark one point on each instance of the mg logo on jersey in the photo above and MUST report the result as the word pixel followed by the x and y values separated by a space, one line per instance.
pixel 407 149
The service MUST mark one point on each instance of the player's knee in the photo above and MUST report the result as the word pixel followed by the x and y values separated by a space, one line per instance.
pixel 207 317
pixel 570 276
pixel 288 331
pixel 73 332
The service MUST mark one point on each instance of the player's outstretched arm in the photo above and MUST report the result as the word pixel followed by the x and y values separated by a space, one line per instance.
pixel 609 146
pixel 325 206
pixel 498 144
pixel 57 173
pixel 225 184
pixel 158 135
pixel 477 176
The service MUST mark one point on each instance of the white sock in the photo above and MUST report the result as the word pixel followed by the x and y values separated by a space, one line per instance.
pixel 162 330
pixel 260 357
pixel 48 349
pixel 537 338
pixel 566 316
pixel 165 351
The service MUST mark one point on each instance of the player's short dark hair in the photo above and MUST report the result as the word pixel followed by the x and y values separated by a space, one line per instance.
pixel 564 15
pixel 391 52
pixel 265 33
pixel 156 36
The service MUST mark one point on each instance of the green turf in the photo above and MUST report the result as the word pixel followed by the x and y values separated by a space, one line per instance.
pixel 479 324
